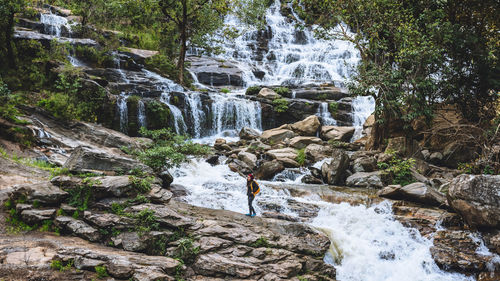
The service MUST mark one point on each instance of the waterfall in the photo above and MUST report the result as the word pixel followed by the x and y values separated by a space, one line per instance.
pixel 368 244
pixel 325 115
pixel 54 23
pixel 363 107
pixel 123 112
pixel 293 56
pixel 232 113
pixel 141 114
pixel 196 112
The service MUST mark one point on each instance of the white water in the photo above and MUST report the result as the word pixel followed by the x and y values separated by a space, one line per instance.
pixel 293 57
pixel 325 115
pixel 123 112
pixel 54 23
pixel 363 107
pixel 141 114
pixel 367 243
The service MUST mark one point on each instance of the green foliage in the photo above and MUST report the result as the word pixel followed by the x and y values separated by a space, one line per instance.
pixel 62 266
pixel 399 169
pixel 301 156
pixel 146 221
pixel 280 105
pixel 282 91
pixel 225 90
pixel 338 144
pixel 333 107
pixel 101 271
pixel 186 250
pixel 253 90
pixel 94 56
pixel 79 197
pixel 157 114
pixel 251 12
pixel 168 149
pixel 261 242
pixel 143 185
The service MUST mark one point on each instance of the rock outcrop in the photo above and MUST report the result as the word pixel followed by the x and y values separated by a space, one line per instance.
pixel 415 192
pixel 477 199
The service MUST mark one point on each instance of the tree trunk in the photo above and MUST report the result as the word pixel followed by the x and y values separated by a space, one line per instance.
pixel 182 53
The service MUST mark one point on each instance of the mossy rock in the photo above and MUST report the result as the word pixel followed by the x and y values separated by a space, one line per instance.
pixel 158 115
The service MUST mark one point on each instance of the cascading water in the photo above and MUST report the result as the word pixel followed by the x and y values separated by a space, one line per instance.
pixel 363 107
pixel 123 112
pixel 141 114
pixel 367 243
pixel 325 115
pixel 53 24
pixel 292 56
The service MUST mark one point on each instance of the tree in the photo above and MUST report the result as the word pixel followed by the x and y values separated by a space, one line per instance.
pixel 192 20
pixel 413 52
pixel 8 8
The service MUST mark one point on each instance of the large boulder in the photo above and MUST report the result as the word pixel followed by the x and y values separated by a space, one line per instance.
pixel 248 158
pixel 269 169
pixel 364 164
pixel 77 227
pixel 247 133
pixel 84 159
pixel 301 142
pixel 277 135
pixel 44 193
pixel 334 173
pixel 477 199
pixel 267 93
pixel 307 127
pixel 317 152
pixel 338 133
pixel 364 179
pixel 287 152
pixel 416 192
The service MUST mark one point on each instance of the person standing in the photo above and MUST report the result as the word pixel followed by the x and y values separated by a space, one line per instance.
pixel 252 190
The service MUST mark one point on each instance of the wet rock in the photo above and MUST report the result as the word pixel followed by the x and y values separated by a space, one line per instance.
pixel 85 160
pixel 334 172
pixel 304 210
pixel 248 158
pixel 309 179
pixel 247 133
pixel 477 199
pixel 277 135
pixel 166 216
pixel 269 169
pixel 179 190
pixel 220 144
pixel 415 192
pixel 456 250
pixel 364 179
pixel 213 72
pixel 338 133
pixel 37 216
pixel 159 195
pixel 320 93
pixel 317 152
pixel 302 142
pixel 307 127
pixel 239 166
pixel 77 227
pixel 166 178
pixel 267 93
pixel 46 39
pixel 213 160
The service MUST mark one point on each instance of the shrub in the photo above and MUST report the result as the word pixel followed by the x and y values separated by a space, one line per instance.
pixel 261 242
pixel 61 266
pixel 280 105
pixel 225 90
pixel 146 221
pixel 101 271
pixel 333 107
pixel 186 250
pixel 301 157
pixel 168 149
pixel 253 91
pixel 282 91
pixel 399 169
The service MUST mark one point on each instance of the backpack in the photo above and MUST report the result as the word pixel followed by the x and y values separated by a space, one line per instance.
pixel 255 192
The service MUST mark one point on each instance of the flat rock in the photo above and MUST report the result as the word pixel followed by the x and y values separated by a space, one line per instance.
pixel 277 135
pixel 302 142
pixel 415 192
pixel 78 227
pixel 337 133
pixel 287 152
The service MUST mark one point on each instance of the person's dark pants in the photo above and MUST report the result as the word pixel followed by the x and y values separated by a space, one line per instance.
pixel 250 207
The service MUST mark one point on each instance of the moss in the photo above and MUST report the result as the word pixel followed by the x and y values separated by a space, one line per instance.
pixel 158 115
pixel 253 91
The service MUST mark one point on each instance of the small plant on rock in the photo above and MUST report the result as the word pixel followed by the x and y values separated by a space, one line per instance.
pixel 399 169
pixel 301 157
pixel 101 271
pixel 280 105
